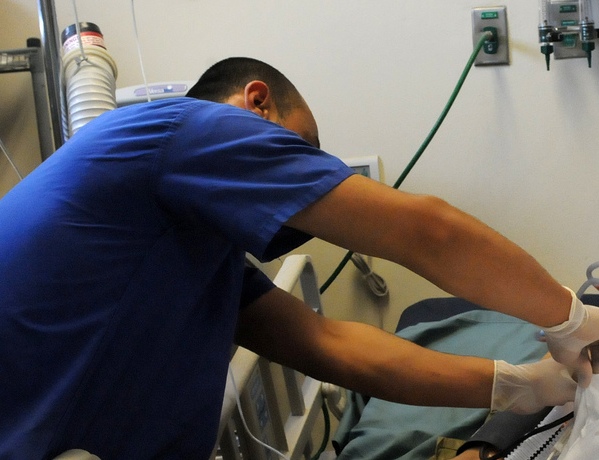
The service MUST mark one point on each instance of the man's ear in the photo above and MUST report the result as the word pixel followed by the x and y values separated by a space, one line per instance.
pixel 258 99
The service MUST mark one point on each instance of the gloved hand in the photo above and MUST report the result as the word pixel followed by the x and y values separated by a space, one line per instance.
pixel 528 388
pixel 567 342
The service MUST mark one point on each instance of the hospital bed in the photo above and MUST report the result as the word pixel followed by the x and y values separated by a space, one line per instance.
pixel 368 427
pixel 375 429
pixel 277 405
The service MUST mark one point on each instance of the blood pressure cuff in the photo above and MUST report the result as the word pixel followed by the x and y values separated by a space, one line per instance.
pixel 503 429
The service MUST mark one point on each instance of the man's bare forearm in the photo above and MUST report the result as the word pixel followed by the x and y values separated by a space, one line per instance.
pixel 361 357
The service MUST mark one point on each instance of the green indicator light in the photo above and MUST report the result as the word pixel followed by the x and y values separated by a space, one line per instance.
pixel 568 8
pixel 489 15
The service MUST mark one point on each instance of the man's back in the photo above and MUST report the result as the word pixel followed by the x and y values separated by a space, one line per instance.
pixel 121 272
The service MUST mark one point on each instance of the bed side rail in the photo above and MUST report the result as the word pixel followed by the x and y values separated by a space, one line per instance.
pixel 253 388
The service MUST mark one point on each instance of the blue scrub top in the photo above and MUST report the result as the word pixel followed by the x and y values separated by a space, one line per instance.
pixel 121 274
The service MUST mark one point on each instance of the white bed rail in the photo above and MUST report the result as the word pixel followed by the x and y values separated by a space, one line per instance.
pixel 253 381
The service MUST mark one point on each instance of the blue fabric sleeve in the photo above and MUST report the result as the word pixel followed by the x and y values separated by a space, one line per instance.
pixel 243 175
pixel 255 284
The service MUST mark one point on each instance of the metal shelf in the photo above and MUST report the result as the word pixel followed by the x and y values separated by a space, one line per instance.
pixel 41 57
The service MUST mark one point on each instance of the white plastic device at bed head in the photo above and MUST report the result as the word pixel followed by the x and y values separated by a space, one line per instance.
pixel 161 90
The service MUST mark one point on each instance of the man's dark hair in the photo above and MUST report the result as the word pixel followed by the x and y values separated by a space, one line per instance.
pixel 229 76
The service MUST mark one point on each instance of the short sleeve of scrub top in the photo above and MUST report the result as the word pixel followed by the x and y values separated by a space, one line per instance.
pixel 274 175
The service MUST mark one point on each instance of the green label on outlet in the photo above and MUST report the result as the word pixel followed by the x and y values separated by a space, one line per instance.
pixel 489 15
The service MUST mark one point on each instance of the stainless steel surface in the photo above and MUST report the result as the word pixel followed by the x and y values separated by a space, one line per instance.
pixel 50 37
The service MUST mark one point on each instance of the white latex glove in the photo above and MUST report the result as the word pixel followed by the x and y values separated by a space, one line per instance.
pixel 528 388
pixel 567 342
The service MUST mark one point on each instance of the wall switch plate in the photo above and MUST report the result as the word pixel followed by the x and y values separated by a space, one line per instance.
pixel 493 19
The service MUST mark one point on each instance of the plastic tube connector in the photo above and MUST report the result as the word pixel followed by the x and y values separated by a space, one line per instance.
pixel 588 47
pixel 547 50
pixel 90 85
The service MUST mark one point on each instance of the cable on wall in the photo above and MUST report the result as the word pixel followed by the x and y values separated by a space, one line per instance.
pixel 139 56
pixel 484 38
pixel 376 283
pixel 7 155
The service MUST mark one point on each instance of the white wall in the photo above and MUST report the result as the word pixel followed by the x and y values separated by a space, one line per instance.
pixel 18 131
pixel 517 150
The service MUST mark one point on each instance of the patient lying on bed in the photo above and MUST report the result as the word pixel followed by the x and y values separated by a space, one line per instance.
pixel 377 429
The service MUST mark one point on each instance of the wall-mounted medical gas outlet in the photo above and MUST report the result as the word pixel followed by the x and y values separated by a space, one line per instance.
pixel 567 16
pixel 495 50
pixel 567 29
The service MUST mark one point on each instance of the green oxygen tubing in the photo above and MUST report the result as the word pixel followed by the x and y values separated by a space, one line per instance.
pixel 485 37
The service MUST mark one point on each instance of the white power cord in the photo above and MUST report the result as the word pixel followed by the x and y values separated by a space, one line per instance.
pixel 141 64
pixel 336 398
pixel 591 280
pixel 377 285
pixel 247 429
pixel 78 29
pixel 14 166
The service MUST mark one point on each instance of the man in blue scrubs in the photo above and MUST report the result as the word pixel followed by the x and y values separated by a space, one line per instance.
pixel 123 286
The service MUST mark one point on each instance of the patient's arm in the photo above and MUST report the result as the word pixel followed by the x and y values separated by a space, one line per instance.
pixel 361 357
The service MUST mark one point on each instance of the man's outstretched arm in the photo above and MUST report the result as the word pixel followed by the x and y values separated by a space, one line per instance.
pixel 439 242
pixel 371 361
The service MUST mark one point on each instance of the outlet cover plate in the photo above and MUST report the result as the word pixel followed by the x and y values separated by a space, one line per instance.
pixel 494 16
